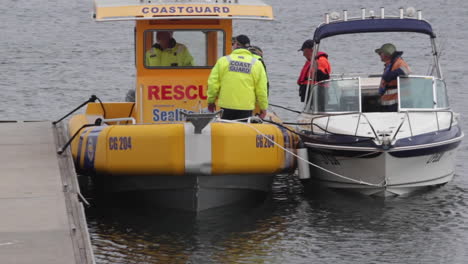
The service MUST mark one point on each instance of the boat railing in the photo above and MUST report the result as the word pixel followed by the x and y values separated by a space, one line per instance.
pixel 436 112
pixel 345 75
pixel 410 12
pixel 416 94
pixel 343 114
pixel 376 135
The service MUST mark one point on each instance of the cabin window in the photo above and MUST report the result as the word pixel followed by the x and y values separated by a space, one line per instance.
pixel 340 95
pixel 183 48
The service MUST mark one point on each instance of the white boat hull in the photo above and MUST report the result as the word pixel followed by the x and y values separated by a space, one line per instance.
pixel 384 174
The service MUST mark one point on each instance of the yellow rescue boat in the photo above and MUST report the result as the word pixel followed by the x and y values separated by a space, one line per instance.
pixel 165 143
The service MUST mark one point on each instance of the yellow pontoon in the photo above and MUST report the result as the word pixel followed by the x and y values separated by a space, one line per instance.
pixel 165 141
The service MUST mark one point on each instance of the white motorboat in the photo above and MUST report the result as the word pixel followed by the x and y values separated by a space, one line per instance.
pixel 351 145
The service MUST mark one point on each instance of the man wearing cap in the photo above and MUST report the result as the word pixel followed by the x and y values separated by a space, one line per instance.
pixel 323 68
pixel 238 81
pixel 167 52
pixel 257 52
pixel 394 66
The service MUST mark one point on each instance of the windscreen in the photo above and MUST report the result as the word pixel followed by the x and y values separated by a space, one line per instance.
pixel 183 48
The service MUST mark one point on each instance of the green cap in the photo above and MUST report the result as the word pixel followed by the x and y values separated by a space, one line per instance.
pixel 387 49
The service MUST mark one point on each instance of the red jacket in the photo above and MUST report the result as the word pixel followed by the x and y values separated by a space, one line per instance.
pixel 323 72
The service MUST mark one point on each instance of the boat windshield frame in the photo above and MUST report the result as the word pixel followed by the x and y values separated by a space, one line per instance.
pixel 326 84
pixel 418 86
pixel 422 92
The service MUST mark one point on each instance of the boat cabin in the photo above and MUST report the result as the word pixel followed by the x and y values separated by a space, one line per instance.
pixel 176 45
pixel 346 93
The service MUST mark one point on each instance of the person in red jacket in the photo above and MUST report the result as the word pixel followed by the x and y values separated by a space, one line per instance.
pixel 323 68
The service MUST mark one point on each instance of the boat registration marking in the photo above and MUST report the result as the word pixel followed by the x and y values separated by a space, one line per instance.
pixel 434 158
pixel 330 160
pixel 120 143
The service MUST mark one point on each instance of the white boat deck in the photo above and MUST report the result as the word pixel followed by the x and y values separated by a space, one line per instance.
pixel 42 220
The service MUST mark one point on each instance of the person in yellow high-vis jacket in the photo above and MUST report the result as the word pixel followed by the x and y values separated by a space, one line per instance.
pixel 238 81
pixel 168 53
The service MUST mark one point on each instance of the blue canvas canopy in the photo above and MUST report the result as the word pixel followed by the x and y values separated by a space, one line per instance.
pixel 373 25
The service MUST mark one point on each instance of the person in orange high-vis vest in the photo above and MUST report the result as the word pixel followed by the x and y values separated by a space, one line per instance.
pixel 323 68
pixel 394 66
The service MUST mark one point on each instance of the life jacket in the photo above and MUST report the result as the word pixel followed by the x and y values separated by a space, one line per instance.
pixel 389 83
pixel 323 65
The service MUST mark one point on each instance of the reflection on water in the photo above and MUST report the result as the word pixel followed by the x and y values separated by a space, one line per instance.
pixel 126 230
pixel 224 235
pixel 397 230
pixel 322 226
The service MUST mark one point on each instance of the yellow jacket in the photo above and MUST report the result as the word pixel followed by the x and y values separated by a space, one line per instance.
pixel 238 81
pixel 170 57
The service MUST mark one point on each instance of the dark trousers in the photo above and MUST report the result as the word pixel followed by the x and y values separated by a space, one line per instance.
pixel 232 114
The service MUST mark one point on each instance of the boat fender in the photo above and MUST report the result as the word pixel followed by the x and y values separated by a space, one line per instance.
pixel 303 162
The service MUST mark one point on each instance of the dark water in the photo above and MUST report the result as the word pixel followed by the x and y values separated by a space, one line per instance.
pixel 53 56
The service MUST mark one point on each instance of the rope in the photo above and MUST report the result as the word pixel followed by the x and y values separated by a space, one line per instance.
pixel 362 138
pixel 298 157
pixel 285 108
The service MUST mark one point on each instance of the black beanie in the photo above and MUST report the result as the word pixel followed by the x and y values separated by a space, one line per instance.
pixel 243 40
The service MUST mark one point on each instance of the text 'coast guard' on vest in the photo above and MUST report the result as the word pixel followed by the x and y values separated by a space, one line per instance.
pixel 239 66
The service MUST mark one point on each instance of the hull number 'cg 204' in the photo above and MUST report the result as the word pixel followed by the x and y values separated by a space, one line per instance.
pixel 265 141
pixel 120 143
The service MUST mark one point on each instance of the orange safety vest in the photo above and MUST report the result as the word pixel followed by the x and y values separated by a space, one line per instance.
pixel 390 97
